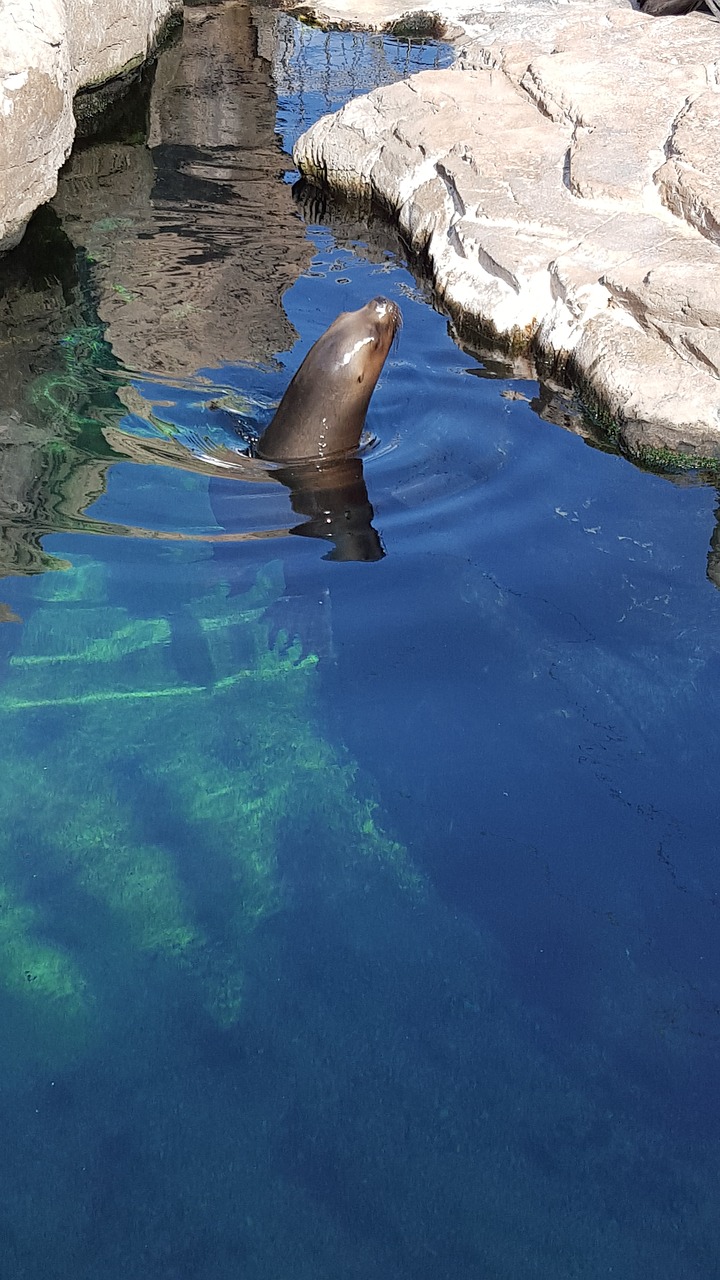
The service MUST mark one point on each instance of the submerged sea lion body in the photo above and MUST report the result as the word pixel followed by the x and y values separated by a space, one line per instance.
pixel 322 413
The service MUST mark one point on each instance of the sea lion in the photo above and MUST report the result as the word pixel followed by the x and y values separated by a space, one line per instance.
pixel 334 498
pixel 312 436
pixel 322 413
pixel 669 8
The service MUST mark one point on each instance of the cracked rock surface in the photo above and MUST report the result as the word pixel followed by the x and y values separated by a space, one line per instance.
pixel 48 50
pixel 562 179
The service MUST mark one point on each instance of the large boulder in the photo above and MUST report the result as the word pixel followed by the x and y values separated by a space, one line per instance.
pixel 562 181
pixel 48 51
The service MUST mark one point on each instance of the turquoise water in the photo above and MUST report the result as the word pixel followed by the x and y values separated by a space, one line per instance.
pixel 356 919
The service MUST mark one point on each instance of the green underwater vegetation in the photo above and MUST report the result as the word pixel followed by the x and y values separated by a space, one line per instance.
pixel 77 394
pixel 29 965
pixel 100 731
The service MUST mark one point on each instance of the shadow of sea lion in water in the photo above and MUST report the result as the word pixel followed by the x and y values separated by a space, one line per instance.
pixel 315 432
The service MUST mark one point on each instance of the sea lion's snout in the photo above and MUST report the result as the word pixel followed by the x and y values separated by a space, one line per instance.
pixel 385 309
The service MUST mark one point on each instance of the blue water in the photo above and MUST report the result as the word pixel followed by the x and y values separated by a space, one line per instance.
pixel 361 919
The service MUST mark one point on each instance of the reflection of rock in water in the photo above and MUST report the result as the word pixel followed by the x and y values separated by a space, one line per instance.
pixel 48 477
pixel 42 489
pixel 334 66
pixel 187 248
pixel 193 237
pixel 362 227
pixel 713 560
pixel 39 304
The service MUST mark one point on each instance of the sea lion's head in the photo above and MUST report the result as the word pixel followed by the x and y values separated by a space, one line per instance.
pixel 323 410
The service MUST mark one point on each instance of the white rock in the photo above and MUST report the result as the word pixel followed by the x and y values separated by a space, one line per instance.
pixel 563 181
pixel 48 50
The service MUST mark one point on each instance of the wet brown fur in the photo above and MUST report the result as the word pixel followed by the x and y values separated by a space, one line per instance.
pixel 322 413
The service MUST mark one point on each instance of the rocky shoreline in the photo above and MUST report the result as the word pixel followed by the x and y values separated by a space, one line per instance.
pixel 50 51
pixel 562 182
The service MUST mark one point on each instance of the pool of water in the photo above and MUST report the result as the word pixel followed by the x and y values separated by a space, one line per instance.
pixel 358 916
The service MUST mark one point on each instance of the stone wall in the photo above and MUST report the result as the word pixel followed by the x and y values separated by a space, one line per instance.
pixel 48 51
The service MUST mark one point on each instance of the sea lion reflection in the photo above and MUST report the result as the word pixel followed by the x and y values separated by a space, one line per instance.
pixel 334 497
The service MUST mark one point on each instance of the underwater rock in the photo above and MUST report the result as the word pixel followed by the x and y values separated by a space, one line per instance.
pixel 169 862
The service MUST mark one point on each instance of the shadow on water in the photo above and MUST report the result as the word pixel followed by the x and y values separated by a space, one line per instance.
pixel 253 1021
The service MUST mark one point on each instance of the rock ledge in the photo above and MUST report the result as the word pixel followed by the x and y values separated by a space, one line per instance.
pixel 562 180
pixel 48 51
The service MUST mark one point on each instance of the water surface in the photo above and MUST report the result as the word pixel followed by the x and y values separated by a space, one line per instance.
pixel 356 918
